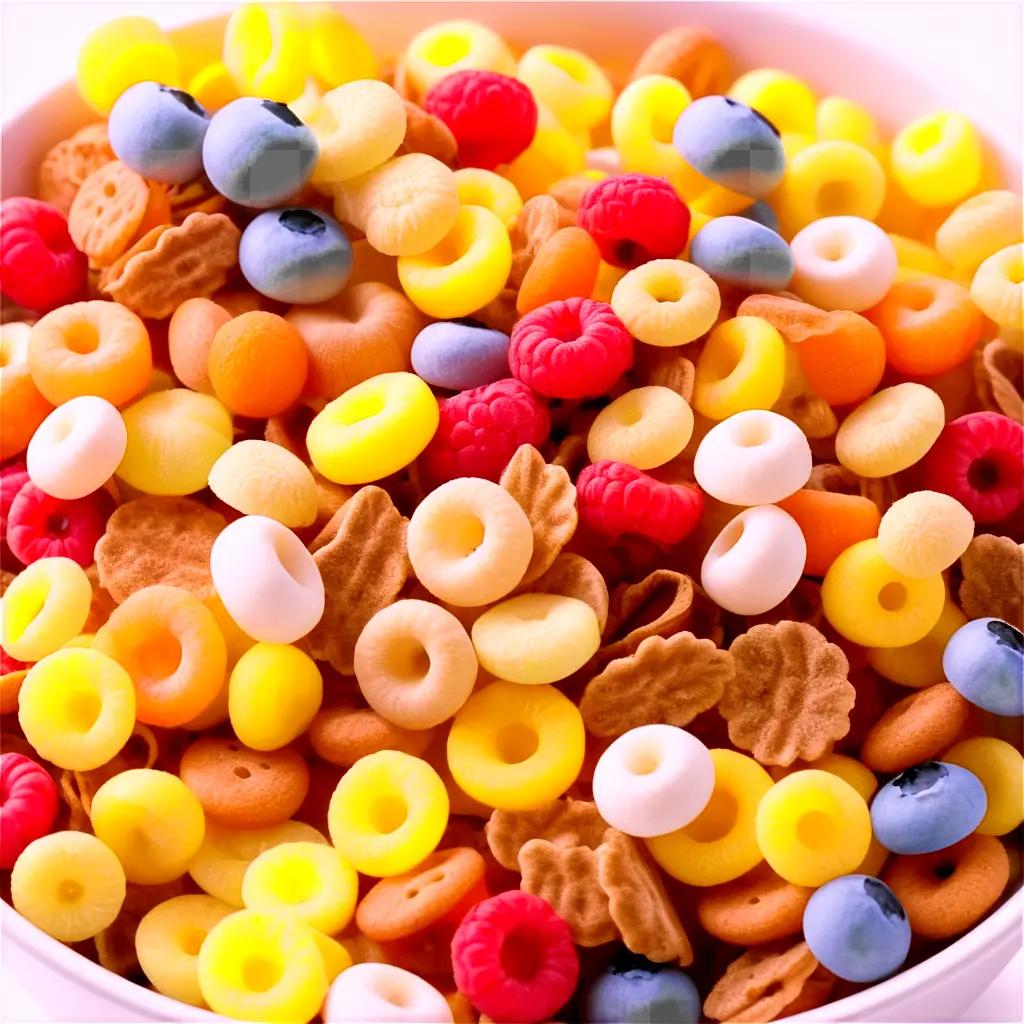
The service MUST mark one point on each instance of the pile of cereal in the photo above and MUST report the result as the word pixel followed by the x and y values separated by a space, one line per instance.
pixel 484 541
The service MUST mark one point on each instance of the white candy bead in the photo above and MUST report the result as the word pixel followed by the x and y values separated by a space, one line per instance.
pixel 653 780
pixel 384 994
pixel 267 580
pixel 842 263
pixel 753 458
pixel 76 449
pixel 755 562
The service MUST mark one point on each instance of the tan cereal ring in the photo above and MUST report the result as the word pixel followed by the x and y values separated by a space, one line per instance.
pixel 690 54
pixel 993 569
pixel 761 983
pixel 342 735
pixel 425 133
pixel 573 576
pixel 196 196
pixel 999 378
pixel 107 211
pixel 67 164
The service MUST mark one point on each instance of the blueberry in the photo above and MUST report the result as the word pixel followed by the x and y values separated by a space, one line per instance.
pixel 762 213
pixel 258 153
pixel 738 251
pixel 856 928
pixel 928 807
pixel 731 144
pixel 458 356
pixel 984 660
pixel 632 990
pixel 159 131
pixel 295 255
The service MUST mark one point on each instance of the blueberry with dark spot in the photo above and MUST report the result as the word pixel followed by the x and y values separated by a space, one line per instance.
pixel 984 660
pixel 633 990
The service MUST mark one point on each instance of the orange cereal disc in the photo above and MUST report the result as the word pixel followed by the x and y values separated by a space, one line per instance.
pixel 946 892
pixel 258 364
pixel 241 787
pixel 169 643
pixel 22 407
pixel 929 325
pixel 565 266
pixel 917 728
pixel 366 330
pixel 830 522
pixel 405 904
pixel 757 907
pixel 90 348
pixel 343 735
pixel 108 211
pixel 190 334
pixel 690 54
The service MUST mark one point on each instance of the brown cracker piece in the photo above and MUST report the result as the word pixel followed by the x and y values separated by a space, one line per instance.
pixel 364 567
pixel 999 378
pixel 158 540
pixel 567 878
pixel 425 133
pixel 68 163
pixel 571 454
pixel 993 569
pixel 573 576
pixel 659 605
pixel 790 697
pixel 564 822
pixel 196 196
pixel 664 680
pixel 172 264
pixel 667 368
pixel 540 217
pixel 547 496
pixel 638 903
pixel 761 983
pixel 107 211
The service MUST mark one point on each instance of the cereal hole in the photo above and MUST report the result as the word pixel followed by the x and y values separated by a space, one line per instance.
pixel 83 708
pixel 57 524
pixel 893 596
pixel 570 65
pixel 156 656
pixel 663 125
pixel 753 433
pixel 243 773
pixel 836 197
pixel 521 954
pixel 446 49
pixel 731 536
pixel 297 884
pixel 460 534
pixel 290 557
pixel 69 890
pixel 668 289
pixel 943 870
pixel 361 407
pixel 815 830
pixel 717 820
pixel 82 338
pixel 834 249
pixel 388 814
pixel 190 940
pixel 410 661
pixel 983 474
pixel 642 761
pixel 260 974
pixel 516 742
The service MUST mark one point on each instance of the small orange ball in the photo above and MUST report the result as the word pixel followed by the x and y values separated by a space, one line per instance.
pixel 258 364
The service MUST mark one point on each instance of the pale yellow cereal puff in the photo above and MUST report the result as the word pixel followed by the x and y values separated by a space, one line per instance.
pixel 338 52
pixel 979 227
pixel 451 46
pixel 924 533
pixel 262 479
pixel 645 427
pixel 569 82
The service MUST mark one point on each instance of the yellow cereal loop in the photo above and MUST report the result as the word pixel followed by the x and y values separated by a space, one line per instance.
pixel 1000 767
pixel 555 153
pixel 477 187
pixel 937 159
pixel 168 940
pixel 266 49
pixel 869 602
pixel 69 885
pixel 608 276
pixel 335 956
pixel 666 302
pixel 720 843
pixel 451 46
pixel 77 708
pixel 45 606
pixel 338 51
pixel 998 287
pixel 915 259
pixel 309 881
pixel 645 427
pixel 569 83
pixel 851 771
pixel 779 96
pixel 262 967
pixel 225 854
pixel 924 532
pixel 840 119
pixel 979 227
pixel 812 827
pixel 741 367
pixel 387 813
pixel 152 821
pixel 274 692
pixel 119 54
pixel 212 86
pixel 919 664
pixel 718 201
pixel 516 747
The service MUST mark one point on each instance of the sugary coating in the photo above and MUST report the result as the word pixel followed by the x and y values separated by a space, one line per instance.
pixel 937 159
pixel 786 101
pixel 740 252
pixel 43 607
pixel 741 367
pixel 77 708
pixel 266 578
pixel 755 457
pixel 387 813
pixel 980 226
pixel 415 664
pixel 755 562
pixel 450 46
pixel 830 522
pixel 646 427
pixel 569 83
pixel 997 287
pixel 68 884
pixel 516 747
pixel 382 991
pixel 459 356
pixel 479 187
pixel 266 49
pixel 983 660
pixel 22 406
pixel 469 542
pixel 174 438
pixel 1000 768
pixel 920 663
pixel 374 429
pixel 890 431
pixel 30 805
pixel 924 533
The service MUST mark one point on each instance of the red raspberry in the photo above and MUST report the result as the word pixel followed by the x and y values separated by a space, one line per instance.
pixel 572 348
pixel 514 959
pixel 615 499
pixel 28 805
pixel 493 117
pixel 635 218
pixel 979 460
pixel 12 479
pixel 481 429
pixel 40 526
pixel 40 268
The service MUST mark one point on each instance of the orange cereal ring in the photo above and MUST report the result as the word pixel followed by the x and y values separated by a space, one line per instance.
pixel 168 641
pixel 343 735
pixel 690 54
pixel 258 364
pixel 830 522
pixel 190 334
pixel 565 266
pixel 917 728
pixel 366 330
pixel 757 907
pixel 90 348
pixel 241 787
pixel 946 892
pixel 405 904
pixel 929 324
pixel 22 407
pixel 108 211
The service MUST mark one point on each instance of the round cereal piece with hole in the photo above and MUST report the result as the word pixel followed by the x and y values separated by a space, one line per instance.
pixel 937 159
pixel 258 478
pixel 450 46
pixel 924 532
pixel 980 226
pixel 645 427
pixel 919 664
pixel 376 991
pixel 44 606
pixel 998 287
pixel 1000 767
pixel 479 187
